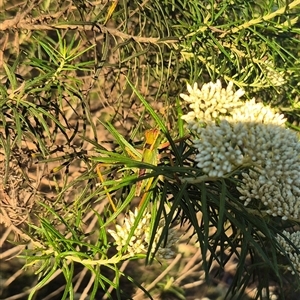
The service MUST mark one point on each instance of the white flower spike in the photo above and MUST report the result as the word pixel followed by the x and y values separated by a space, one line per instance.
pixel 140 240
pixel 232 133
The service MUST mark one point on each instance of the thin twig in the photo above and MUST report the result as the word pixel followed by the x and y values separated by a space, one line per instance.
pixel 261 19
pixel 80 26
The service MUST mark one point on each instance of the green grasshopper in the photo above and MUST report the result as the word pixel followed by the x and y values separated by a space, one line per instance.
pixel 150 156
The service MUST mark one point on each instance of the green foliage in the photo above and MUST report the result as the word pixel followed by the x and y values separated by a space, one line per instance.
pixel 68 77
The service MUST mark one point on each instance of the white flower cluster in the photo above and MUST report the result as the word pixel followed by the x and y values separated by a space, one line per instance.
pixel 275 179
pixel 210 102
pixel 250 111
pixel 294 237
pixel 246 133
pixel 140 240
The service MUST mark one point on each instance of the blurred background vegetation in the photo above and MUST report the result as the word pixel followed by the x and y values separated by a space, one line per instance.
pixel 64 66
